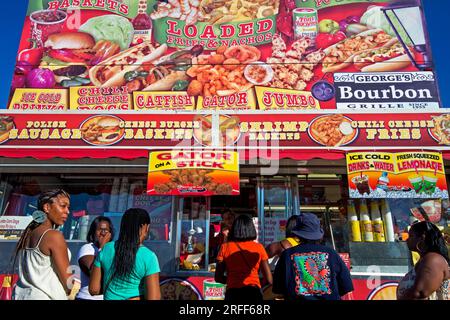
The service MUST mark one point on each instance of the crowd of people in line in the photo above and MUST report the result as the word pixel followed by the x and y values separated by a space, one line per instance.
pixel 125 269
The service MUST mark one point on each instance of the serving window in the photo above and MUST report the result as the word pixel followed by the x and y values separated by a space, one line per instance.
pixel 107 194
pixel 193 232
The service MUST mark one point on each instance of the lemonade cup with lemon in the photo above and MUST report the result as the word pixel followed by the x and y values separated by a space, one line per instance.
pixel 429 184
pixel 417 182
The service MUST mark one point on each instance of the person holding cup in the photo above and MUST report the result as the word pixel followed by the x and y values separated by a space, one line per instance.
pixel 100 233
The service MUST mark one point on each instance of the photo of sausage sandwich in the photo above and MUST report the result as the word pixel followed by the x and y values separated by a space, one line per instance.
pixel 111 72
pixel 146 68
pixel 342 54
pixel 390 57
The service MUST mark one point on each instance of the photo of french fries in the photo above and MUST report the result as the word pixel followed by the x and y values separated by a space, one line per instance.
pixel 332 130
pixel 441 130
pixel 229 130
pixel 195 178
pixel 221 73
pixel 215 11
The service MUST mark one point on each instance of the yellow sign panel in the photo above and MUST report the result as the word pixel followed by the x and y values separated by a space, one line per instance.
pixel 202 173
pixel 235 101
pixel 96 98
pixel 283 99
pixel 172 160
pixel 39 99
pixel 396 175
pixel 145 101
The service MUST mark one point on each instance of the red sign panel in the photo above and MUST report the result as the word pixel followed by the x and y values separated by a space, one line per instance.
pixel 242 131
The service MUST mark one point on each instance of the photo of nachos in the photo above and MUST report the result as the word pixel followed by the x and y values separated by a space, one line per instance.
pixel 441 130
pixel 229 130
pixel 102 130
pixel 332 130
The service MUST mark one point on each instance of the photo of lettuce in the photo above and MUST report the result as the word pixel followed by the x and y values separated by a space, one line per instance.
pixel 110 27
pixel 375 18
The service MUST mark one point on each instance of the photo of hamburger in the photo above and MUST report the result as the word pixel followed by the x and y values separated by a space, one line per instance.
pixel 6 125
pixel 69 55
pixel 102 130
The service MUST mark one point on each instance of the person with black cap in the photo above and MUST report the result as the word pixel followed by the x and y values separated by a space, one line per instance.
pixel 311 271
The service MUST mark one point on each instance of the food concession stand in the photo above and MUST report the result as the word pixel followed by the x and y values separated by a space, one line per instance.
pixel 281 119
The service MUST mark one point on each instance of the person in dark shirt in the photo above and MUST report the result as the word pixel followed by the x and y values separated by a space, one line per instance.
pixel 311 271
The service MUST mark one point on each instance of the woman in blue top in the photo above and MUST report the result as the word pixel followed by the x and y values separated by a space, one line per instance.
pixel 130 271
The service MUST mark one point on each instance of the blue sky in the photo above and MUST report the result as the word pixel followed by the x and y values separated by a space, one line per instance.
pixel 12 14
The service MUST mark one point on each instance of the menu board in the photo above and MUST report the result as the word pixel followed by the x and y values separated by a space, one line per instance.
pixel 193 173
pixel 12 227
pixel 255 132
pixel 396 175
pixel 283 55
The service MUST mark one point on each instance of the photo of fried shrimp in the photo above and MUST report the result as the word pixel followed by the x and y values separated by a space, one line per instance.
pixel 102 130
pixel 332 130
pixel 221 73
pixel 441 130
pixel 195 178
pixel 229 130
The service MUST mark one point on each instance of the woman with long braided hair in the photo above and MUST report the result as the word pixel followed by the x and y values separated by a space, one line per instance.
pixel 130 271
pixel 42 254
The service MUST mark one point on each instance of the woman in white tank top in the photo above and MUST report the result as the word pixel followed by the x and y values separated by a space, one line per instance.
pixel 42 254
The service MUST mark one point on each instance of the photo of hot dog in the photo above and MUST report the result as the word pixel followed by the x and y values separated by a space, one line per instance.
pixel 111 72
pixel 161 73
pixel 341 55
pixel 390 57
pixel 168 73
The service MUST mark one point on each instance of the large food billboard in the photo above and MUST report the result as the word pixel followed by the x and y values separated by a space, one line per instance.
pixel 190 55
